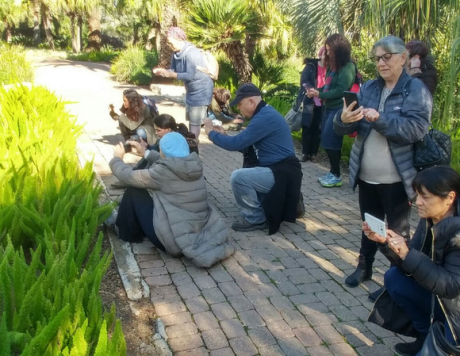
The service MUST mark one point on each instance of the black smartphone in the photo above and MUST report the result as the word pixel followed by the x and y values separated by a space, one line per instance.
pixel 351 96
pixel 128 147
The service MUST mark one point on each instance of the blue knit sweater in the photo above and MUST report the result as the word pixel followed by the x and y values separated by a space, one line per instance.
pixel 268 132
pixel 198 85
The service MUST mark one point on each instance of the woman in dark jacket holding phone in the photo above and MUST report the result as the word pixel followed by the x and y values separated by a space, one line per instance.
pixel 394 113
pixel 430 266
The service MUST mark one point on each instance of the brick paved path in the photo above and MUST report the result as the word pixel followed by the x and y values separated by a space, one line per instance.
pixel 277 295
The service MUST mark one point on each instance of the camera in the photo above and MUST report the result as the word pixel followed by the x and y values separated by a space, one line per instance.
pixel 128 147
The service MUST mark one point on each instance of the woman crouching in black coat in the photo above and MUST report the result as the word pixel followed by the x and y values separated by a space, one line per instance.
pixel 429 266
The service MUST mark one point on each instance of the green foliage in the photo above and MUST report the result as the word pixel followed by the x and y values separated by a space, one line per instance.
pixel 134 65
pixel 106 54
pixel 49 297
pixel 14 66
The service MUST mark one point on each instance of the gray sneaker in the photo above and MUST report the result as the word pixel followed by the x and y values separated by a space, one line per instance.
pixel 247 226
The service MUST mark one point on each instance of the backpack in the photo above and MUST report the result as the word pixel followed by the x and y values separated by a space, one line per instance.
pixel 358 80
pixel 151 105
pixel 212 65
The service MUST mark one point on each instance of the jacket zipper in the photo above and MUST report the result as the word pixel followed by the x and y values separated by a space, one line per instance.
pixel 439 299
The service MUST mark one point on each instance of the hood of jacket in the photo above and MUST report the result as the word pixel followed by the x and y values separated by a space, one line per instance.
pixel 188 168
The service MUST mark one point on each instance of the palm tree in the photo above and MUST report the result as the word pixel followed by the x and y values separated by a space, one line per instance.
pixel 11 13
pixel 224 25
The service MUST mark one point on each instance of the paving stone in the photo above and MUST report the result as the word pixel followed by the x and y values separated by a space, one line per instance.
pixel 157 281
pixel 233 328
pixel 342 350
pixel 196 305
pixel 256 298
pixel 251 319
pixel 271 350
pixel 223 311
pixel 181 330
pixel 311 288
pixel 163 290
pixel 270 290
pixel 302 279
pixel 194 271
pixel 149 264
pixel 378 331
pixel 351 327
pixel 175 266
pixel 240 303
pixel 280 329
pixel 194 352
pixel 188 290
pixel 304 299
pixel 292 347
pixel 214 339
pixel 221 276
pixel 347 299
pixel 288 288
pixel 342 313
pixel 381 350
pixel 153 271
pixel 319 351
pixel 361 312
pixel 282 303
pixel 294 318
pixel 361 339
pixel 307 336
pixel 170 308
pixel 268 312
pixel 205 321
pixel 186 342
pixel 328 334
pixel 223 352
pixel 230 289
pixel 176 319
pixel 181 278
pixel 243 346
pixel 261 336
pixel 165 299
pixel 205 282
pixel 213 295
pixel 328 298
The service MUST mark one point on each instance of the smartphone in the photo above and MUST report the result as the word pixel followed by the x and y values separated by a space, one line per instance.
pixel 128 147
pixel 351 96
pixel 375 224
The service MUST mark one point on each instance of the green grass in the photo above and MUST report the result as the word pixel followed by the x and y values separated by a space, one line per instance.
pixel 14 66
pixel 104 55
pixel 134 65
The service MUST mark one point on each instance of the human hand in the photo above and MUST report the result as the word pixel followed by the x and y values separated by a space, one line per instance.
pixel 349 115
pixel 238 119
pixel 161 72
pixel 111 107
pixel 139 146
pixel 397 243
pixel 371 115
pixel 220 130
pixel 119 150
pixel 371 235
pixel 208 126
pixel 311 93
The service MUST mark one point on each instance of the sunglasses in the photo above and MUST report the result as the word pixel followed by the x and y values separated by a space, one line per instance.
pixel 385 57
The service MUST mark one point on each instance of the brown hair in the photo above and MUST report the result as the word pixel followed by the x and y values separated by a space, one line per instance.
pixel 341 51
pixel 136 104
pixel 221 95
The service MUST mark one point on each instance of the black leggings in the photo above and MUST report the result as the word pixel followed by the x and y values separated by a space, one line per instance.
pixel 334 159
pixel 135 217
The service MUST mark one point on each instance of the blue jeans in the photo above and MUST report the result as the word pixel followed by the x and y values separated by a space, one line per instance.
pixel 249 187
pixel 414 300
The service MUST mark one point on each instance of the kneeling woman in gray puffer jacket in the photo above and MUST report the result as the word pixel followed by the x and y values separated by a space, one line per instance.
pixel 168 203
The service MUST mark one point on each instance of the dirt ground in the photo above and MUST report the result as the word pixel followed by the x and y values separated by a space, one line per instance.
pixel 138 327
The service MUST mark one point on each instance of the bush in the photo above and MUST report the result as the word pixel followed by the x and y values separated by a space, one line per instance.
pixel 134 65
pixel 13 65
pixel 106 54
pixel 51 263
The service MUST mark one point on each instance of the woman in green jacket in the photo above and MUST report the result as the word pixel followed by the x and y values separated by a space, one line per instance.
pixel 340 76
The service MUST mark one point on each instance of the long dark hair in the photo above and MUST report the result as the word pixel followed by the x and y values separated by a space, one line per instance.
pixel 136 104
pixel 165 121
pixel 341 51
pixel 438 180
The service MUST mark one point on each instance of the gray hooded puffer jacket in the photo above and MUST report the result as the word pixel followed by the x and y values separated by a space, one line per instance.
pixel 405 120
pixel 184 221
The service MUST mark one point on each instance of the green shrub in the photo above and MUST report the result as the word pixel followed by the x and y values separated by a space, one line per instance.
pixel 134 65
pixel 13 65
pixel 51 262
pixel 106 54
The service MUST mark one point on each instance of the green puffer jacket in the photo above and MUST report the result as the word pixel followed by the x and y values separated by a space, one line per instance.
pixel 184 221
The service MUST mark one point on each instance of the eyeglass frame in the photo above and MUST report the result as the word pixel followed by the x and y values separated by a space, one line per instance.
pixel 377 59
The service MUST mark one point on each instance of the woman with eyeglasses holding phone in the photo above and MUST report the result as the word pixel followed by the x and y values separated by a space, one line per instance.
pixel 394 112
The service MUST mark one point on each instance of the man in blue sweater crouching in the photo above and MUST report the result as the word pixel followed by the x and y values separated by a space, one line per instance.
pixel 271 139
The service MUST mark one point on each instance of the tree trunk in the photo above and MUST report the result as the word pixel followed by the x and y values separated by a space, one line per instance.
pixel 137 26
pixel 148 43
pixel 170 16
pixel 46 20
pixel 94 24
pixel 80 34
pixel 75 33
pixel 236 52
pixel 8 32
pixel 250 44
pixel 36 9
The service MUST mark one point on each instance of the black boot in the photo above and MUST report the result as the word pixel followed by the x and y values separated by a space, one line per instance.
pixel 411 348
pixel 374 295
pixel 360 275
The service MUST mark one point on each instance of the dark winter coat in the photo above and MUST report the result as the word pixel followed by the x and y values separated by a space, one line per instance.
pixel 440 273
pixel 405 120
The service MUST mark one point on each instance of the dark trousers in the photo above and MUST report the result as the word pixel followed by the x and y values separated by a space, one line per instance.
pixel 135 217
pixel 382 200
pixel 334 159
pixel 414 300
pixel 311 135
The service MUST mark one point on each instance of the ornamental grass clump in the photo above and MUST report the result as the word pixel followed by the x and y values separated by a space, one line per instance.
pixel 51 258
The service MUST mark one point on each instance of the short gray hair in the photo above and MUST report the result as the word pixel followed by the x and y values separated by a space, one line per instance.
pixel 391 44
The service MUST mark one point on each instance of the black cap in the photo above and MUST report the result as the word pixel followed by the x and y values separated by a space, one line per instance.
pixel 245 91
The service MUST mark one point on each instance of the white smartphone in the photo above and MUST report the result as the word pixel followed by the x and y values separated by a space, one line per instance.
pixel 375 224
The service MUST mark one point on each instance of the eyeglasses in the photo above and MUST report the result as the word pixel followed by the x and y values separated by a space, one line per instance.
pixel 386 57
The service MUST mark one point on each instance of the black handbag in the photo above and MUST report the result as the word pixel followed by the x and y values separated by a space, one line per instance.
pixel 436 343
pixel 435 149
